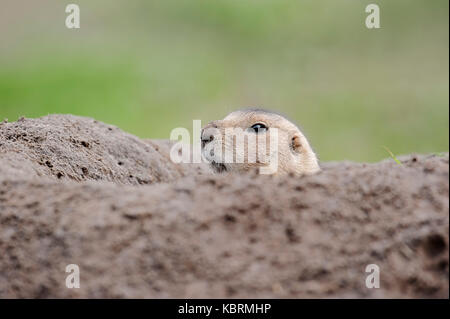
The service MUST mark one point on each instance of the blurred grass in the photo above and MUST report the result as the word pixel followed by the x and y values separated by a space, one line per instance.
pixel 151 66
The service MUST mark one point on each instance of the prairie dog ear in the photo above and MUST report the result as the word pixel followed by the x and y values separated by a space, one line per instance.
pixel 296 143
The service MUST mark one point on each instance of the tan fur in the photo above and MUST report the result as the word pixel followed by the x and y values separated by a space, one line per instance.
pixel 295 155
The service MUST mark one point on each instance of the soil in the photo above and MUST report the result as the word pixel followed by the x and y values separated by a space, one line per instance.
pixel 76 191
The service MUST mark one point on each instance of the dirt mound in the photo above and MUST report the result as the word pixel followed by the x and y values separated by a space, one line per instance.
pixel 78 148
pixel 211 236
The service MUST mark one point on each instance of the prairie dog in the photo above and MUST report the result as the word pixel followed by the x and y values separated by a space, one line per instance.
pixel 276 144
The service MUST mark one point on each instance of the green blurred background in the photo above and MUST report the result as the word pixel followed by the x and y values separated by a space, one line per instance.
pixel 151 66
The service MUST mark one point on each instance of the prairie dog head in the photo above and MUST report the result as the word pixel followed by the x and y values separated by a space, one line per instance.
pixel 255 138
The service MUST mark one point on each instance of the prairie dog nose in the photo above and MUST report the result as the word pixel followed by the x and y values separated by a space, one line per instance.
pixel 208 133
pixel 206 138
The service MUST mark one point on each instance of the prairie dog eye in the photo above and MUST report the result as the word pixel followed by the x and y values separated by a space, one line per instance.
pixel 259 127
